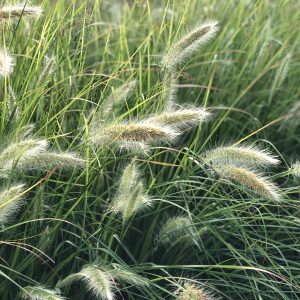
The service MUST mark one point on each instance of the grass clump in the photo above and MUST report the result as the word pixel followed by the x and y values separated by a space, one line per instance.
pixel 196 193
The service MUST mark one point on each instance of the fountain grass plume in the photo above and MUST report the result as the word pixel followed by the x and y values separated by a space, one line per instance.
pixel 25 131
pixel 191 291
pixel 181 50
pixel 8 12
pixel 6 64
pixel 39 293
pixel 175 229
pixel 125 274
pixel 12 112
pixel 250 180
pixel 98 282
pixel 140 133
pixel 291 119
pixel 101 279
pixel 32 154
pixel 295 169
pixel 242 155
pixel 10 203
pixel 130 196
pixel 51 159
pixel 181 118
pixel 20 152
pixel 117 96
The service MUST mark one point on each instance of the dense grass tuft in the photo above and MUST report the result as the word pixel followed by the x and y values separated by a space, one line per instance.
pixel 147 154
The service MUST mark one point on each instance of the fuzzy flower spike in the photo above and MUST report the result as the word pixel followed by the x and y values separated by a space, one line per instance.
pixel 16 11
pixel 180 51
pixel 6 64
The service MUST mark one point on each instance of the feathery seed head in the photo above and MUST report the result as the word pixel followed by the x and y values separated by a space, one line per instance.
pixel 249 179
pixel 176 229
pixel 181 118
pixel 51 159
pixel 40 293
pixel 119 95
pixel 188 44
pixel 6 64
pixel 240 156
pixel 10 202
pixel 191 291
pixel 292 116
pixel 47 70
pixel 124 273
pixel 25 131
pixel 101 279
pixel 130 196
pixel 32 154
pixel 13 111
pixel 295 169
pixel 20 152
pixel 16 11
pixel 140 133
pixel 98 281
pixel 116 97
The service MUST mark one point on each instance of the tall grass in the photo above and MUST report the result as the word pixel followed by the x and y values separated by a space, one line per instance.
pixel 137 161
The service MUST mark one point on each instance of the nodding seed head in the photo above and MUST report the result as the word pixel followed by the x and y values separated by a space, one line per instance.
pixel 16 11
pixel 40 293
pixel 240 156
pixel 188 44
pixel 130 196
pixel 32 154
pixel 182 118
pixel 295 169
pixel 6 64
pixel 139 133
pixel 249 179
pixel 98 281
pixel 10 202
pixel 176 229
pixel 191 291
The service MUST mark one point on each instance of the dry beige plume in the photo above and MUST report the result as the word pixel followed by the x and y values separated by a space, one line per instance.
pixel 6 64
pixel 251 180
pixel 191 291
pixel 242 155
pixel 138 134
pixel 16 11
pixel 188 44
pixel 130 196
pixel 181 118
